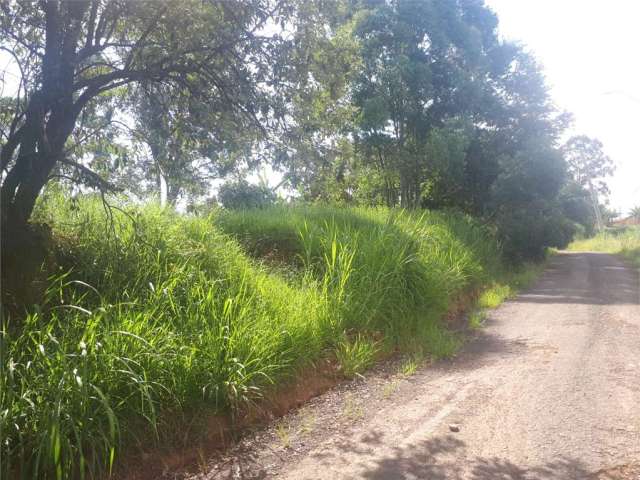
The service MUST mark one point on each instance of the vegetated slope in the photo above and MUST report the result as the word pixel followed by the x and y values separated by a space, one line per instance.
pixel 157 318
pixel 624 241
pixel 550 376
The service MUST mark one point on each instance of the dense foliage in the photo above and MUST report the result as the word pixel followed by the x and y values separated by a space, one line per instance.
pixel 240 194
pixel 157 319
pixel 400 103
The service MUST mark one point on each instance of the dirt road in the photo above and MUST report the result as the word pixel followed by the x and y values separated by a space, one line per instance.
pixel 550 389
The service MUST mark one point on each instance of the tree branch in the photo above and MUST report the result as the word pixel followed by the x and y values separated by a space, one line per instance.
pixel 92 178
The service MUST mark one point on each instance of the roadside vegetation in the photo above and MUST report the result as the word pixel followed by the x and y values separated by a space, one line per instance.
pixel 155 319
pixel 202 200
pixel 624 241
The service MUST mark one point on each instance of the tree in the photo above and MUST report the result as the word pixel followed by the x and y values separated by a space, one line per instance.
pixel 73 54
pixel 191 143
pixel 314 148
pixel 434 71
pixel 524 202
pixel 589 166
pixel 516 113
pixel 635 213
pixel 240 194
pixel 405 87
pixel 575 203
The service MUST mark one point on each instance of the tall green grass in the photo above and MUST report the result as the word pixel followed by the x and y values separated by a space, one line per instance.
pixel 625 242
pixel 157 318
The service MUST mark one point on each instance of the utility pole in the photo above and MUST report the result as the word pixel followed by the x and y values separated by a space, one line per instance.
pixel 596 207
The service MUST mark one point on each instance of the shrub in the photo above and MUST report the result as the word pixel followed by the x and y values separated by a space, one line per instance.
pixel 526 233
pixel 241 194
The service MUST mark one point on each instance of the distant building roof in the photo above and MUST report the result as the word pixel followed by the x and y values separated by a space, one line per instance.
pixel 627 221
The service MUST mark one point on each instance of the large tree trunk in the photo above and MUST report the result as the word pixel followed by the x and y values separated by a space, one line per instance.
pixel 26 264
pixel 32 152
pixel 24 246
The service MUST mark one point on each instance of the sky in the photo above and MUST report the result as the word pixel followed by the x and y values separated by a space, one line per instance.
pixel 590 52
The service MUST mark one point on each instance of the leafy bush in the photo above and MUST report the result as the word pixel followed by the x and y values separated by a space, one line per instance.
pixel 575 202
pixel 526 233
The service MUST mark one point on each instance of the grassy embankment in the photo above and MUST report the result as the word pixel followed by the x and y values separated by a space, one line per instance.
pixel 152 326
pixel 625 242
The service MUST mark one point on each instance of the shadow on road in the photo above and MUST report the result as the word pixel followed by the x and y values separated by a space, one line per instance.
pixel 442 458
pixel 597 279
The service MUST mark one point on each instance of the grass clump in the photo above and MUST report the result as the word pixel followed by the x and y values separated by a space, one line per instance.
pixel 410 366
pixel 283 432
pixel 352 409
pixel 390 388
pixel 157 318
pixel 355 356
pixel 477 319
pixel 507 284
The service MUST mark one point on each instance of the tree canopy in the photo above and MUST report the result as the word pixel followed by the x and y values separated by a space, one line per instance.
pixel 400 103
pixel 74 56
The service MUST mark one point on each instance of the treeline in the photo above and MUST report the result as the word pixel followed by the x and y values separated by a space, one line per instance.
pixel 416 104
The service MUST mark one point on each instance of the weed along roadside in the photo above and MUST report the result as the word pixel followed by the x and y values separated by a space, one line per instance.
pixel 162 320
pixel 621 241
